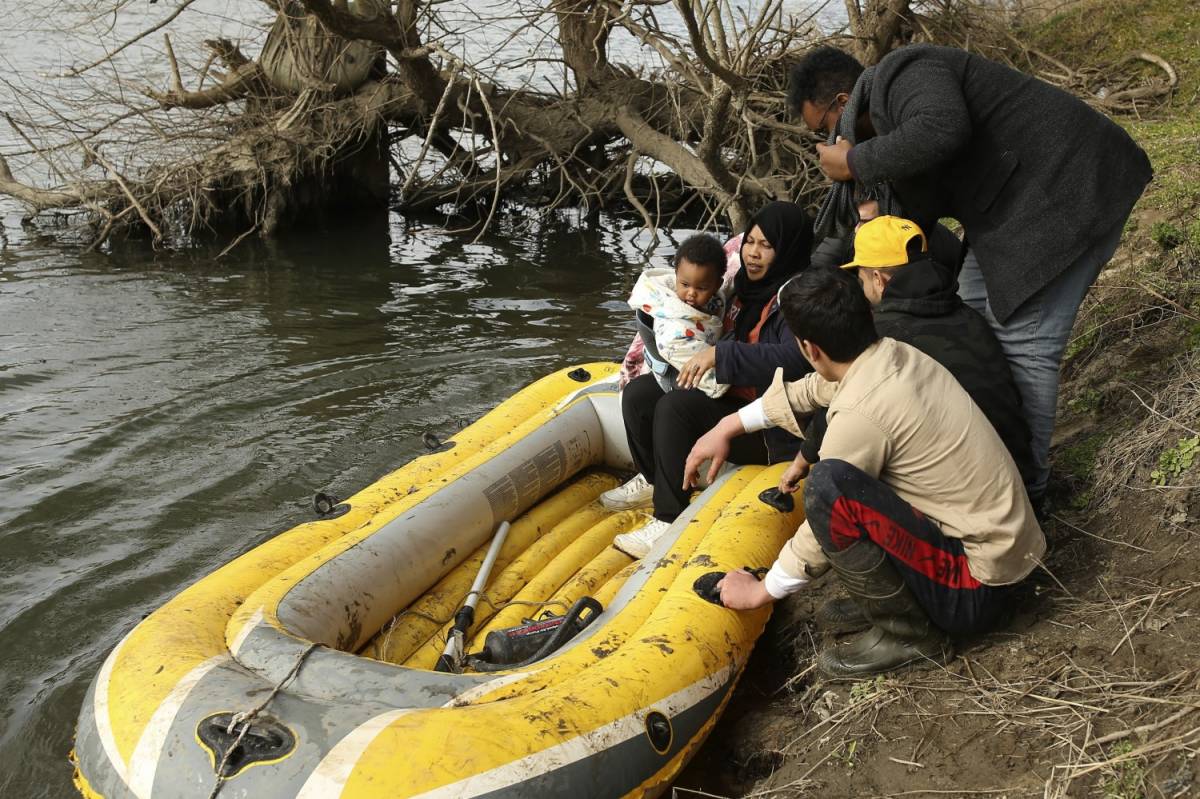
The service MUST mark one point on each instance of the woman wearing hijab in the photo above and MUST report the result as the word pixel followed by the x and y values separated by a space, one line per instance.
pixel 662 426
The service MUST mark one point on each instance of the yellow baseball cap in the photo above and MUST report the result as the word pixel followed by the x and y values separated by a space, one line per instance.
pixel 883 242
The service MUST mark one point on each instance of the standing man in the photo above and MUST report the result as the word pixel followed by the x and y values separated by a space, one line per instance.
pixel 915 503
pixel 1041 183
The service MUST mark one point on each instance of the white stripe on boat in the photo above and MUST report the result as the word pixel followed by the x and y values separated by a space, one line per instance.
pixel 100 708
pixel 144 763
pixel 244 633
pixel 582 747
pixel 329 777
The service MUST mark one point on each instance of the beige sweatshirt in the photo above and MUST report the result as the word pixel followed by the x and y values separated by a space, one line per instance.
pixel 898 415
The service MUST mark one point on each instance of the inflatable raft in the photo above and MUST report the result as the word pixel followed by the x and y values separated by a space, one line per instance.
pixel 304 668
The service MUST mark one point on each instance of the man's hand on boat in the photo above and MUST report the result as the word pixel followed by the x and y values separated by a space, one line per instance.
pixel 696 367
pixel 741 590
pixel 712 445
pixel 797 471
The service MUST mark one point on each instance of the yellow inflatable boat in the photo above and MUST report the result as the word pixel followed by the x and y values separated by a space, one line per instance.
pixel 305 668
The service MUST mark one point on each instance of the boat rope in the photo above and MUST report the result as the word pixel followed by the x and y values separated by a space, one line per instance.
pixel 244 718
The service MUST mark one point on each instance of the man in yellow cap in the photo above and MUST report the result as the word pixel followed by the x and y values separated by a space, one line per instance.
pixel 914 299
pixel 915 504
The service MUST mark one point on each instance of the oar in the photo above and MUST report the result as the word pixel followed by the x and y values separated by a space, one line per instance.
pixel 453 655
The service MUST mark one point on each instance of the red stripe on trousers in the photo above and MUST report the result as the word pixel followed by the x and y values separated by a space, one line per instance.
pixel 849 520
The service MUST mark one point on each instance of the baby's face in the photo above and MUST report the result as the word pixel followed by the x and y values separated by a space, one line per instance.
pixel 694 284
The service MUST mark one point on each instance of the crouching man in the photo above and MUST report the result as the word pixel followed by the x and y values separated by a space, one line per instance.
pixel 915 504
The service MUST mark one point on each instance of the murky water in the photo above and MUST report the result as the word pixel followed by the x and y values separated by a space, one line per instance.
pixel 162 412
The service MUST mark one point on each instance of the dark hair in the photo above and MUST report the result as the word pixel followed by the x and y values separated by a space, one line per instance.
pixel 704 251
pixel 821 75
pixel 827 307
pixel 917 248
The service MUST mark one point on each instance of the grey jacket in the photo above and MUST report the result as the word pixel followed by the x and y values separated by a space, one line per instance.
pixel 1034 175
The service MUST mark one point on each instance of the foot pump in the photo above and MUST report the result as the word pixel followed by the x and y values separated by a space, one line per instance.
pixel 514 647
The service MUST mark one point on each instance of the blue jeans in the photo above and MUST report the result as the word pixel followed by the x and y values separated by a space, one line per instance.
pixel 1036 335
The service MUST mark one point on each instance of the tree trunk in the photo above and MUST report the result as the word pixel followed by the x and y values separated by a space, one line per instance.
pixel 877 27
pixel 307 126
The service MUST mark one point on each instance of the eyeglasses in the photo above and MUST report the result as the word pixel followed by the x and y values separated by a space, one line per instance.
pixel 820 128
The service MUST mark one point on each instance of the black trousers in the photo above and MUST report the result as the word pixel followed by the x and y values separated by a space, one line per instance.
pixel 662 427
pixel 845 506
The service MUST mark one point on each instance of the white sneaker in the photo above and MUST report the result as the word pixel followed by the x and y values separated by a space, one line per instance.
pixel 637 543
pixel 632 494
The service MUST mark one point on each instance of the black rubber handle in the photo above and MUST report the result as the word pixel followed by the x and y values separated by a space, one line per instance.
pixel 706 587
pixel 706 584
pixel 784 503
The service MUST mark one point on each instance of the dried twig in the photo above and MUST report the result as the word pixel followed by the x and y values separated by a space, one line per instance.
pixel 77 71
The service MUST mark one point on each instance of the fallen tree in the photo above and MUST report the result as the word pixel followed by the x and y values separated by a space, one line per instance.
pixel 340 91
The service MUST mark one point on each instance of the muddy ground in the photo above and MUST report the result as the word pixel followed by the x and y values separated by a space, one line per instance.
pixel 1090 689
pixel 1102 643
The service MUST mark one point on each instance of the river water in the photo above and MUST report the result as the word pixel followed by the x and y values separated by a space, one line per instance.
pixel 163 412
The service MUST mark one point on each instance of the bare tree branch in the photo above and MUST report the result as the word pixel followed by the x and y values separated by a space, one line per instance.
pixel 77 71
pixel 521 102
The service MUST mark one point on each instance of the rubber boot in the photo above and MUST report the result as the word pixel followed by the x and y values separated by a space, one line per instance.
pixel 900 633
pixel 842 615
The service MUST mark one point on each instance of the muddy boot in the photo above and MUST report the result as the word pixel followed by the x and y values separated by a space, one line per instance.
pixel 841 615
pixel 901 632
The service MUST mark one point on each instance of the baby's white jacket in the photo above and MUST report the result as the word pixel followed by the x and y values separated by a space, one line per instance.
pixel 680 331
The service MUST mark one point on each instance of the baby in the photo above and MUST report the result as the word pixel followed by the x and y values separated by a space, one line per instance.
pixel 680 310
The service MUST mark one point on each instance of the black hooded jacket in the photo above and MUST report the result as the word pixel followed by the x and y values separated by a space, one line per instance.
pixel 921 307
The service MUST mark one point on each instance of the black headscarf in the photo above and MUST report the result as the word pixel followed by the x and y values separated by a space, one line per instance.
pixel 789 230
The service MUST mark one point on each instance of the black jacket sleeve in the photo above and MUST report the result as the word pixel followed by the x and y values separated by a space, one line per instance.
pixel 742 364
pixel 832 253
pixel 814 435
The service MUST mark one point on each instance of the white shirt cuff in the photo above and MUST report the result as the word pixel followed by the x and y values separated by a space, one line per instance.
pixel 753 417
pixel 780 584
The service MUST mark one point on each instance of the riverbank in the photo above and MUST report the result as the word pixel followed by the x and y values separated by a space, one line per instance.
pixel 1093 687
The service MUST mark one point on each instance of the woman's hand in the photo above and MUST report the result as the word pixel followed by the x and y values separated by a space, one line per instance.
pixel 796 472
pixel 697 367
pixel 714 446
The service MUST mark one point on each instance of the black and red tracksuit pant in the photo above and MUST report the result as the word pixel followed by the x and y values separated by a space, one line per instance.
pixel 846 506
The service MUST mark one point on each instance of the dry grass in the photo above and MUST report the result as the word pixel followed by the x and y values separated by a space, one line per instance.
pixel 1157 444
pixel 1079 716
